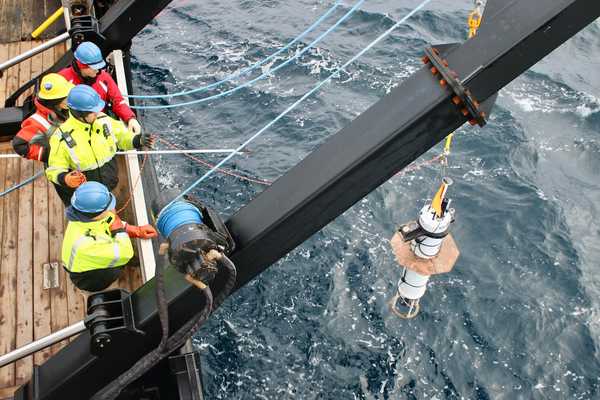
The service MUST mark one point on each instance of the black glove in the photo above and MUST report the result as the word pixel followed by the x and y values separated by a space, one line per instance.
pixel 143 140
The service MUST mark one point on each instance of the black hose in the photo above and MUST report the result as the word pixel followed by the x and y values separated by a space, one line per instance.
pixel 229 284
pixel 112 390
pixel 192 326
pixel 163 307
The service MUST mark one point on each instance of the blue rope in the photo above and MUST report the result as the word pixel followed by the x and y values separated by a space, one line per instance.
pixel 290 108
pixel 247 69
pixel 20 185
pixel 246 84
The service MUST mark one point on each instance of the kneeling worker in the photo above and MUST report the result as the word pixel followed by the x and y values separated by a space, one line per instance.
pixel 84 146
pixel 97 243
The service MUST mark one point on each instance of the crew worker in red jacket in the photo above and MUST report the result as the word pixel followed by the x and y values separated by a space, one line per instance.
pixel 87 69
pixel 51 110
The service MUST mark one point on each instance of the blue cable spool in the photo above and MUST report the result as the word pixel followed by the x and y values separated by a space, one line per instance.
pixel 177 214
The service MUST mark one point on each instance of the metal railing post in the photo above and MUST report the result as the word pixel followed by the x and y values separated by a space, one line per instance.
pixel 42 343
pixel 36 50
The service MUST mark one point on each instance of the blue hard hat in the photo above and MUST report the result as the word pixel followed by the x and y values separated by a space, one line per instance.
pixel 85 98
pixel 93 198
pixel 89 54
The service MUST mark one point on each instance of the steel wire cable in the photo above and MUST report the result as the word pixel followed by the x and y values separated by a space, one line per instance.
pixel 243 71
pixel 295 104
pixel 263 75
pixel 21 184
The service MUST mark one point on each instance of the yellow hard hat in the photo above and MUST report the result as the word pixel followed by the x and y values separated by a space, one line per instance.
pixel 54 86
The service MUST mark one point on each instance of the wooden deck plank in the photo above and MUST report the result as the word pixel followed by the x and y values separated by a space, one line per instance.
pixel 75 298
pixel 59 26
pixel 59 51
pixel 60 305
pixel 25 272
pixel 24 69
pixel 37 61
pixel 37 17
pixel 28 8
pixel 4 25
pixel 8 393
pixel 13 15
pixel 37 64
pixel 12 74
pixel 48 57
pixel 58 296
pixel 76 301
pixel 3 57
pixel 42 311
pixel 3 322
pixel 136 278
pixel 8 272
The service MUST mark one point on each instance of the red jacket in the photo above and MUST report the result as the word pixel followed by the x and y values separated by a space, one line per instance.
pixel 39 122
pixel 108 90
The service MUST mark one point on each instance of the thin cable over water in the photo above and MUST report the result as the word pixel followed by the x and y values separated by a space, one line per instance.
pixel 262 76
pixel 294 105
pixel 244 71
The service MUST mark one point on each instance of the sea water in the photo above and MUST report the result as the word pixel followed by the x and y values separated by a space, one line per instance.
pixel 518 318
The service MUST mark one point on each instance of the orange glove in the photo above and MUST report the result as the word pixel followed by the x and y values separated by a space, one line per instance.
pixel 142 232
pixel 117 225
pixel 74 179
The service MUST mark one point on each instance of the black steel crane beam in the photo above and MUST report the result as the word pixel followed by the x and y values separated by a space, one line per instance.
pixel 127 18
pixel 386 138
pixel 399 128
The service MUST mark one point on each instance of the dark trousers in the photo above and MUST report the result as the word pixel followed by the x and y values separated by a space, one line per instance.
pixel 108 175
pixel 64 193
pixel 95 280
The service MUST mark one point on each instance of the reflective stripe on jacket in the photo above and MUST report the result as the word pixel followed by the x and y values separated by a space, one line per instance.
pixel 90 246
pixel 36 123
pixel 93 145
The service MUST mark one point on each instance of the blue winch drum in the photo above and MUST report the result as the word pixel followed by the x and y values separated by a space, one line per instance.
pixel 177 214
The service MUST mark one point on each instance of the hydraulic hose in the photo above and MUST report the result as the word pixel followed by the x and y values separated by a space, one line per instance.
pixel 112 390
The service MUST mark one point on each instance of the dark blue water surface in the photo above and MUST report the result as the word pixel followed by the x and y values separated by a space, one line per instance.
pixel 518 318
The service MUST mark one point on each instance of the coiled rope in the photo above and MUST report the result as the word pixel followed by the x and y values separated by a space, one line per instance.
pixel 246 70
pixel 262 76
pixel 295 104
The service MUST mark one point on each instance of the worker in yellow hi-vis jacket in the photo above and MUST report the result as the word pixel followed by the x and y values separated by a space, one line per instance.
pixel 84 146
pixel 97 244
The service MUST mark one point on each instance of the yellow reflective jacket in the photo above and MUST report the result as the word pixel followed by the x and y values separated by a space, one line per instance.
pixel 77 145
pixel 90 246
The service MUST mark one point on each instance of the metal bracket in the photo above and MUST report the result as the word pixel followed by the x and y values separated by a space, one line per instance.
pixel 462 98
pixel 413 230
pixel 85 28
pixel 186 368
pixel 51 271
pixel 212 219
pixel 112 319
